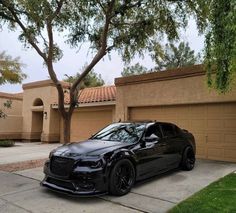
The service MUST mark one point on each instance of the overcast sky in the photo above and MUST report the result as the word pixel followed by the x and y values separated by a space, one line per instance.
pixel 72 60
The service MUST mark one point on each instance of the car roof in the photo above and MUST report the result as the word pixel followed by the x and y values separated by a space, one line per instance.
pixel 137 121
pixel 150 122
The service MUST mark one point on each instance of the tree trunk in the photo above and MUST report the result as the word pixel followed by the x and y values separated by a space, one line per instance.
pixel 67 128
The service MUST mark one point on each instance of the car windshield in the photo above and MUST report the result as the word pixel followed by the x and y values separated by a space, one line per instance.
pixel 122 132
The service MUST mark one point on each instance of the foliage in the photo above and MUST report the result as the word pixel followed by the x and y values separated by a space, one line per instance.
pixel 165 57
pixel 90 80
pixel 174 57
pixel 136 69
pixel 10 72
pixel 2 114
pixel 122 25
pixel 10 69
pixel 220 46
pixel 218 197
pixel 7 104
pixel 6 143
pixel 131 23
pixel 134 24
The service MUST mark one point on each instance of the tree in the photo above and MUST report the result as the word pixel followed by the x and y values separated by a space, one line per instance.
pixel 174 57
pixel 122 25
pixel 165 57
pixel 136 69
pixel 10 69
pixel 220 46
pixel 10 72
pixel 90 80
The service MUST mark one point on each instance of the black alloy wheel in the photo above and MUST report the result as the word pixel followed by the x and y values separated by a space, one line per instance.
pixel 122 177
pixel 188 159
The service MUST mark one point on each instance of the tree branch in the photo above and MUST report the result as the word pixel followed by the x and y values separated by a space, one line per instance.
pixel 50 59
pixel 102 51
pixel 22 26
pixel 51 71
pixel 58 9
pixel 5 16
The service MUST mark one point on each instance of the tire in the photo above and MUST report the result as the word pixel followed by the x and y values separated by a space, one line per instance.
pixel 188 159
pixel 122 178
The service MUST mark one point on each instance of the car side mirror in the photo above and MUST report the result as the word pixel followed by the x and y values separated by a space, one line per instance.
pixel 151 138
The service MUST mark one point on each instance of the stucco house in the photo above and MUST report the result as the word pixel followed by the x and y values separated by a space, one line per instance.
pixel 180 96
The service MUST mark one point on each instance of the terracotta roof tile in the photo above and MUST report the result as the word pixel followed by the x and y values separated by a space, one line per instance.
pixel 95 94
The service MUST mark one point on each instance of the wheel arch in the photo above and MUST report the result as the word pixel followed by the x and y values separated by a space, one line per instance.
pixel 184 156
pixel 120 155
pixel 183 151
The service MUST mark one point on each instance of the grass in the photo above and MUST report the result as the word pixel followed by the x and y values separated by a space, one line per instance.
pixel 6 143
pixel 218 197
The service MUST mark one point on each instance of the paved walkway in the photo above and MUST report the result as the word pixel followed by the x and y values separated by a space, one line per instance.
pixel 25 152
pixel 20 192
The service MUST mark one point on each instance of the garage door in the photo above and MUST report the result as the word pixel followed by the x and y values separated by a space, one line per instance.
pixel 213 125
pixel 86 123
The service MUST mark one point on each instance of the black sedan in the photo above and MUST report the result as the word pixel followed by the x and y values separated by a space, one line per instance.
pixel 117 156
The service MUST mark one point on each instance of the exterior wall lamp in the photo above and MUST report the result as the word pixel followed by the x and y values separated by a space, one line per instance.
pixel 45 114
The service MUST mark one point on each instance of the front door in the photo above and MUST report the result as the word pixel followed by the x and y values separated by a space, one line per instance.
pixel 151 153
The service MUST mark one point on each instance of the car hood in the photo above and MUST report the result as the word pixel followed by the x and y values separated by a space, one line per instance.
pixel 89 147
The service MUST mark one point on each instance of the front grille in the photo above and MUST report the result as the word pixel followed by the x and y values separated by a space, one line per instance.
pixel 61 183
pixel 61 166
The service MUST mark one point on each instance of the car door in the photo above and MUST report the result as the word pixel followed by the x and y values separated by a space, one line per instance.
pixel 173 142
pixel 150 154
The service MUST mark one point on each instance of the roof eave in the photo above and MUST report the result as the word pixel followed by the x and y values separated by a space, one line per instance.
pixel 92 104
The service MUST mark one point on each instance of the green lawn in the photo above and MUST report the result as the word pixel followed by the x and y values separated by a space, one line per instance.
pixel 218 197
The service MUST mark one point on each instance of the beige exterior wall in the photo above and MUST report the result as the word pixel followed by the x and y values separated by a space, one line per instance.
pixel 88 120
pixel 44 122
pixel 16 106
pixel 40 122
pixel 181 90
pixel 11 125
pixel 182 97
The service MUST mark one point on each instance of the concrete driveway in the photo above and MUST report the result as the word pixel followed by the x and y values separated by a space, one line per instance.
pixel 25 152
pixel 20 192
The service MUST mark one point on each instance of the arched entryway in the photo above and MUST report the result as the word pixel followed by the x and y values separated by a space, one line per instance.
pixel 37 118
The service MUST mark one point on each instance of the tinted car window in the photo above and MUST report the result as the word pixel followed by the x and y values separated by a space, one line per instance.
pixel 122 132
pixel 168 130
pixel 176 130
pixel 153 130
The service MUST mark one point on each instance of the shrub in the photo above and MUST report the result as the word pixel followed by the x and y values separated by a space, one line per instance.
pixel 7 143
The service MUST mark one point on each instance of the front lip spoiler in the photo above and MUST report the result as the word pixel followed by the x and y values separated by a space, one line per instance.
pixel 62 190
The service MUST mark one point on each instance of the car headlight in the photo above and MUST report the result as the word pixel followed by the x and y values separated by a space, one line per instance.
pixel 91 163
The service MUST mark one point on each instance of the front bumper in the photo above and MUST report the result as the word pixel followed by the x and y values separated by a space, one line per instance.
pixel 81 181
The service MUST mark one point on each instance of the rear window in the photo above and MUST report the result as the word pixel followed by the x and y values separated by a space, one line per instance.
pixel 169 130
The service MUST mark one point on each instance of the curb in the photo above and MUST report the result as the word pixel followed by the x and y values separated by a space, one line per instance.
pixel 30 164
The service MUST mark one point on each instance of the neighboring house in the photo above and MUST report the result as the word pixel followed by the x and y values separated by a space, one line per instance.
pixel 180 96
pixel 11 126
